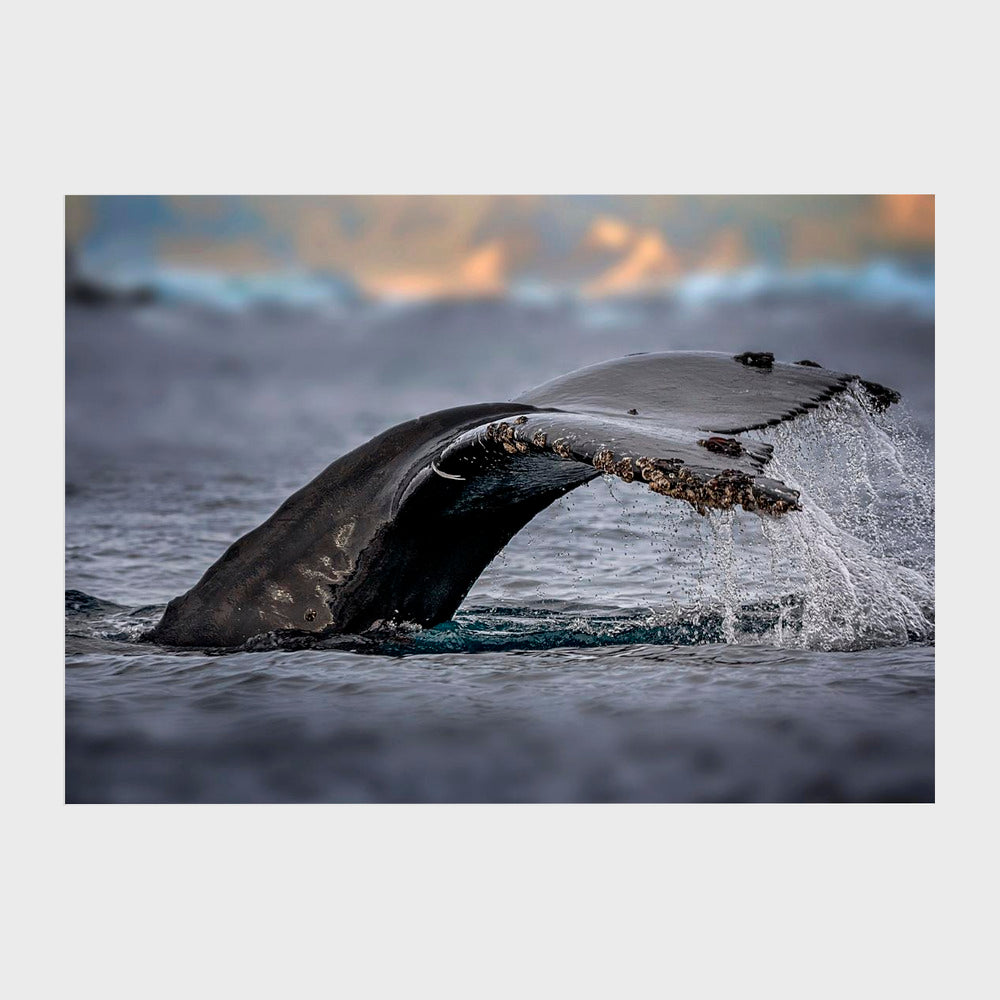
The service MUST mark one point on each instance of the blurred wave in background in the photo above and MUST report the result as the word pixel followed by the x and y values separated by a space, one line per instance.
pixel 349 252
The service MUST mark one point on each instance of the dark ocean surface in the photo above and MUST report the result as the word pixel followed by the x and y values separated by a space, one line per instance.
pixel 621 648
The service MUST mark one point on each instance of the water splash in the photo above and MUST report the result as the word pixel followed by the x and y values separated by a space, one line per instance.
pixel 721 527
pixel 853 569
pixel 861 550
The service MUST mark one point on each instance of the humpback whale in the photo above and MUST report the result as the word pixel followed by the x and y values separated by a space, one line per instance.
pixel 399 529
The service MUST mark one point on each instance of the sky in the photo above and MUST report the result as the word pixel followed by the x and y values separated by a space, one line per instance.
pixel 416 246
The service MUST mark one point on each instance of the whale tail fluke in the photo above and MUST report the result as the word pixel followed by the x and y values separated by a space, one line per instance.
pixel 400 528
pixel 668 420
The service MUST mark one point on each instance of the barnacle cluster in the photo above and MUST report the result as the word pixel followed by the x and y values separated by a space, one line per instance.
pixel 604 460
pixel 504 434
pixel 666 476
pixel 722 446
pixel 723 491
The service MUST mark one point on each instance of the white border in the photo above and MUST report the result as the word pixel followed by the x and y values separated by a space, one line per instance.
pixel 255 901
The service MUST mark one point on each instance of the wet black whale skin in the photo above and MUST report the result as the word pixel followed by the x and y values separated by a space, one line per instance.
pixel 400 528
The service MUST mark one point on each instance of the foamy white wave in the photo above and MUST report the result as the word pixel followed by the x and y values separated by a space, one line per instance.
pixel 882 282
pixel 235 292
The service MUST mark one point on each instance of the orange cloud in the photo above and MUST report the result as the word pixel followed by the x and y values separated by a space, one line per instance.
pixel 481 273
pixel 650 262
pixel 908 217
pixel 607 233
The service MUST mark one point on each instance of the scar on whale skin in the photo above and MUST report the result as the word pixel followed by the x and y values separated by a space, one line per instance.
pixel 446 475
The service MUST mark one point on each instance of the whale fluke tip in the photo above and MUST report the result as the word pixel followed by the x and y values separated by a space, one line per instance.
pixel 879 396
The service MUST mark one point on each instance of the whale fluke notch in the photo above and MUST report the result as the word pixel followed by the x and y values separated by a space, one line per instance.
pixel 399 529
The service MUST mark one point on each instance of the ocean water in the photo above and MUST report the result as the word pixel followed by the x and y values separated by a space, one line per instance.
pixel 621 648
